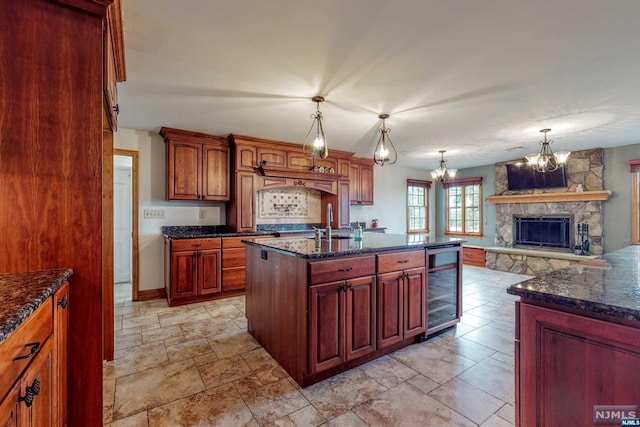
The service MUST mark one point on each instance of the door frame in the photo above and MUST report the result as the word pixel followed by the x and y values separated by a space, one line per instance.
pixel 134 217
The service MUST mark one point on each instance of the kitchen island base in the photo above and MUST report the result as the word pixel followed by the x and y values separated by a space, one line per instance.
pixel 319 316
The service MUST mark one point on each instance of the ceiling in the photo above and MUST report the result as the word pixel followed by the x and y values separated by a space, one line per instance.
pixel 476 78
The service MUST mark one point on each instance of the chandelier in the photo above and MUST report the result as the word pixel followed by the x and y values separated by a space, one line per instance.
pixel 547 160
pixel 319 145
pixel 442 174
pixel 385 152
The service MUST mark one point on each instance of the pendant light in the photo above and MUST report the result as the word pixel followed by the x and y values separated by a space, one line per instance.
pixel 385 152
pixel 547 160
pixel 443 174
pixel 318 147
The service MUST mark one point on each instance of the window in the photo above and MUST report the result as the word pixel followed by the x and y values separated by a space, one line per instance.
pixel 417 206
pixel 463 206
pixel 634 165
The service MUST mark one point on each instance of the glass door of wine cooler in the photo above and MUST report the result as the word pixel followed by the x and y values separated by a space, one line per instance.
pixel 444 297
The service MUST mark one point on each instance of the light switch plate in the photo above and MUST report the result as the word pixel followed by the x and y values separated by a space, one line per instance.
pixel 154 213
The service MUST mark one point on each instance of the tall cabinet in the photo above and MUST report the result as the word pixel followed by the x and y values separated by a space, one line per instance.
pixel 51 165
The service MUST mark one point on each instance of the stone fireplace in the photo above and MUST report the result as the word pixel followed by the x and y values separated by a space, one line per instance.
pixel 536 229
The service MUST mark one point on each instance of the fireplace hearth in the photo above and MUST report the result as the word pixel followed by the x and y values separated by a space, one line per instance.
pixel 543 232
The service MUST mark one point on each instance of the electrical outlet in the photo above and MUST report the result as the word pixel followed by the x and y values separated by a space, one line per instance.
pixel 154 214
pixel 203 213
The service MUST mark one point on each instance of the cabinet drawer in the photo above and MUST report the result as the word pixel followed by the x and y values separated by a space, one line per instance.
pixel 339 269
pixel 233 279
pixel 400 261
pixel 234 257
pixel 195 244
pixel 233 242
pixel 29 337
pixel 473 256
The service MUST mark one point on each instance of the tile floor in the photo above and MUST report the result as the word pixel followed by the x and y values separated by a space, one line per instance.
pixel 196 365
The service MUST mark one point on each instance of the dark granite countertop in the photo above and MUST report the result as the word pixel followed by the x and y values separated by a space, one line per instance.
pixel 22 293
pixel 608 285
pixel 374 242
pixel 206 231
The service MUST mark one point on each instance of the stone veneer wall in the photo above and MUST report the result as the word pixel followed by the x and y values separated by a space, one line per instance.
pixel 583 167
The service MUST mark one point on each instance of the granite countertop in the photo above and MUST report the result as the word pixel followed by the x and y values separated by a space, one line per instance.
pixel 608 285
pixel 206 231
pixel 306 247
pixel 22 293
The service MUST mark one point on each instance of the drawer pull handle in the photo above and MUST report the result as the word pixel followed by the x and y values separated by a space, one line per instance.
pixel 403 261
pixel 30 393
pixel 63 302
pixel 35 348
pixel 344 270
pixel 195 246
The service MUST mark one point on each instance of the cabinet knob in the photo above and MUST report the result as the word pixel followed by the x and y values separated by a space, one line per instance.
pixel 30 393
pixel 63 302
pixel 33 350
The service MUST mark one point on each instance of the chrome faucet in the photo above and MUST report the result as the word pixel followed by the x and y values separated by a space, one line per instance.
pixel 329 221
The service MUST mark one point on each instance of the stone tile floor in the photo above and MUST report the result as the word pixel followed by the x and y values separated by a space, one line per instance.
pixel 196 365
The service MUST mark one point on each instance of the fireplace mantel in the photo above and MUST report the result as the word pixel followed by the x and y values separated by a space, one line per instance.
pixel 574 196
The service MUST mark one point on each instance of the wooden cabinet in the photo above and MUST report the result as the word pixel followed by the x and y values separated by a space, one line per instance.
pixel 194 270
pixel 401 297
pixel 341 313
pixel 340 205
pixel 33 367
pixel 198 166
pixel 473 255
pixel 361 179
pixel 240 211
pixel 233 264
pixel 566 363
pixel 113 64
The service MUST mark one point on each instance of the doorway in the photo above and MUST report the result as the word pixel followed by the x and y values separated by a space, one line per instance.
pixel 125 225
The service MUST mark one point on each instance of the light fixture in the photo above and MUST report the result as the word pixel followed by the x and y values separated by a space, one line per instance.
pixel 442 174
pixel 319 145
pixel 547 160
pixel 385 152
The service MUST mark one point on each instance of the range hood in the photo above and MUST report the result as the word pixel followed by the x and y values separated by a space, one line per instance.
pixel 273 177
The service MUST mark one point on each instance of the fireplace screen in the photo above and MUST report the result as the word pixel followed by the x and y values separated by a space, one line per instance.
pixel 543 232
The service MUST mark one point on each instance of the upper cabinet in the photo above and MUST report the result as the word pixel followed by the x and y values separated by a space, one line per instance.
pixel 361 180
pixel 113 63
pixel 198 165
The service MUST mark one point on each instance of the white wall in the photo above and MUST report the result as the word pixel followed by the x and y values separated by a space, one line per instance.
pixel 152 174
pixel 390 198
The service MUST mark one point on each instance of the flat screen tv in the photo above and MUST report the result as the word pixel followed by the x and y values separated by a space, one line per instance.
pixel 521 176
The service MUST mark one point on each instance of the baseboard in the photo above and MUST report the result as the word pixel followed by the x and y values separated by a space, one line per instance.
pixel 152 294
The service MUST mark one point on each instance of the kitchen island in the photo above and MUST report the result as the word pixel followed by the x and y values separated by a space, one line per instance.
pixel 577 342
pixel 320 307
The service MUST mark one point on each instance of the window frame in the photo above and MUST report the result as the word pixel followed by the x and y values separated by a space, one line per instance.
pixel 634 167
pixel 463 183
pixel 427 187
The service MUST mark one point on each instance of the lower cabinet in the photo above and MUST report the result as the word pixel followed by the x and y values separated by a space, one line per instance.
pixel 33 367
pixel 194 269
pixel 401 306
pixel 567 363
pixel 341 322
pixel 233 264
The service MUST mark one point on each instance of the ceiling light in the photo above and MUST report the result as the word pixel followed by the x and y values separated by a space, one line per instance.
pixel 319 145
pixel 385 152
pixel 442 174
pixel 547 160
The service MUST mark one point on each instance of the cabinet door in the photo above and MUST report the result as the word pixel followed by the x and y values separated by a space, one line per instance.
pixel 209 272
pixel 354 180
pixel 9 407
pixel 326 325
pixel 183 274
pixel 215 172
pixel 184 170
pixel 273 156
pixel 343 204
pixel 366 185
pixel 415 291
pixel 61 351
pixel 36 384
pixel 361 318
pixel 110 87
pixel 568 363
pixel 245 202
pixel 390 309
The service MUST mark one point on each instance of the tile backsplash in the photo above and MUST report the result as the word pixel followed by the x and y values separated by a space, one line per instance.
pixel 288 205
